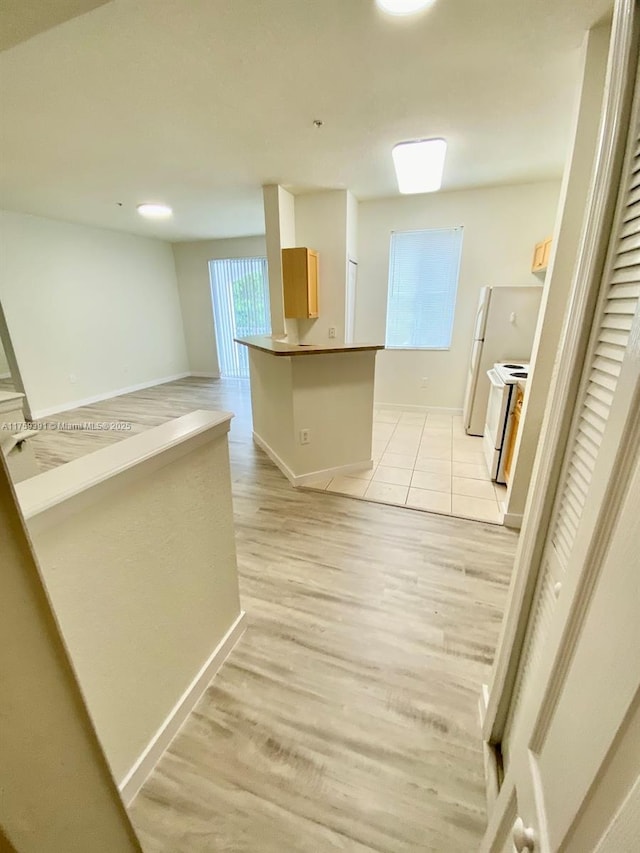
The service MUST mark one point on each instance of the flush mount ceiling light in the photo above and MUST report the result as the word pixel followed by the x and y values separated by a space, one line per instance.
pixel 403 7
pixel 419 165
pixel 154 211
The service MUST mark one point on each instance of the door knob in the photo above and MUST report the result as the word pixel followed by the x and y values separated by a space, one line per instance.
pixel 524 838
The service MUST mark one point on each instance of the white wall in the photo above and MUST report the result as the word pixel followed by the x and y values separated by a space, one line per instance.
pixel 90 311
pixel 321 224
pixel 280 227
pixel 141 572
pixel 501 227
pixel 192 270
pixel 57 791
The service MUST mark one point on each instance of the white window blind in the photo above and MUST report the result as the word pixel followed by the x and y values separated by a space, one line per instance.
pixel 423 280
pixel 240 288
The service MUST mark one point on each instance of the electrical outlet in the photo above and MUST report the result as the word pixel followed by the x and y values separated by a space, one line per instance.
pixel 424 382
pixel 332 331
pixel 73 378
pixel 305 436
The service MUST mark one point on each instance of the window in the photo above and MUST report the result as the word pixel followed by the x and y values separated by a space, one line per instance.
pixel 423 279
pixel 240 288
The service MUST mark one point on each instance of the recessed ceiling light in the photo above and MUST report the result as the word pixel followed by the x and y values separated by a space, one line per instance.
pixel 419 165
pixel 403 7
pixel 154 211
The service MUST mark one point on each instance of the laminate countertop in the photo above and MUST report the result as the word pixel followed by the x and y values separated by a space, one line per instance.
pixel 274 347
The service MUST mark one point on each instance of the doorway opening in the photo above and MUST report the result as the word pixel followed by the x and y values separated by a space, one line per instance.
pixel 240 290
pixel 350 312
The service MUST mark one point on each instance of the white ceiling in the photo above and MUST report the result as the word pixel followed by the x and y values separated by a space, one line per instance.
pixel 197 103
pixel 23 19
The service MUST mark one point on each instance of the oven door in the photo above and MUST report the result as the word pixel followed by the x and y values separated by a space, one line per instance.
pixel 497 412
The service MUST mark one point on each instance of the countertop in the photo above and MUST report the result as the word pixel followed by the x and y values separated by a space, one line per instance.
pixel 267 344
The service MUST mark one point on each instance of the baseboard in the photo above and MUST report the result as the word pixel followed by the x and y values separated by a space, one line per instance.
pixel 303 479
pixel 199 374
pixel 273 456
pixel 98 398
pixel 420 409
pixel 513 520
pixel 5 376
pixel 159 743
pixel 338 471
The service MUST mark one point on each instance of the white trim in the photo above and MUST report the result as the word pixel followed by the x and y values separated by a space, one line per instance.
pixel 406 408
pixel 108 395
pixel 5 375
pixel 273 456
pixel 201 374
pixel 513 520
pixel 490 760
pixel 159 743
pixel 338 471
pixel 302 479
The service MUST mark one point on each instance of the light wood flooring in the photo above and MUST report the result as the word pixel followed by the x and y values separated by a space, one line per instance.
pixel 346 718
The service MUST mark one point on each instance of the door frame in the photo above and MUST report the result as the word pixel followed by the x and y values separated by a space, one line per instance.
pixel 14 367
pixel 621 73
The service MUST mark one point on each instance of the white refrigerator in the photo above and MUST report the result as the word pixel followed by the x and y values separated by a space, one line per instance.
pixel 504 328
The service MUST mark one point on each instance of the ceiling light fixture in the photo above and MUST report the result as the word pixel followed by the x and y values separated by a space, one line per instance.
pixel 151 210
pixel 403 7
pixel 419 165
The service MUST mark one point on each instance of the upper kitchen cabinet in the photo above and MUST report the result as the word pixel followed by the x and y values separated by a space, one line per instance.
pixel 541 256
pixel 300 283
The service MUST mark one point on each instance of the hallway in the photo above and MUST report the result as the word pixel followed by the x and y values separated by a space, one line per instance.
pixel 346 718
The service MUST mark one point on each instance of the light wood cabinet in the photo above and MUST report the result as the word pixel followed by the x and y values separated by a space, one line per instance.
pixel 541 255
pixel 513 435
pixel 300 283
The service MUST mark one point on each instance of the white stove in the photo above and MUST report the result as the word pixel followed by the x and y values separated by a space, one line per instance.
pixel 502 400
pixel 512 372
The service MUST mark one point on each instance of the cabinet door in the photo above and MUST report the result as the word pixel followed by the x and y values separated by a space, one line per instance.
pixel 538 257
pixel 312 284
pixel 300 283
pixel 513 434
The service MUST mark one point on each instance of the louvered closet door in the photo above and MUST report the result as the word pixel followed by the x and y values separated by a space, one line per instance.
pixel 599 416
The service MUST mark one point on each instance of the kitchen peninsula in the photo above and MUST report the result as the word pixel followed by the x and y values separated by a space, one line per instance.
pixel 312 406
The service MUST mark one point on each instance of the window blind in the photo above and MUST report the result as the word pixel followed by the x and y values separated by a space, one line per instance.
pixel 423 280
pixel 240 289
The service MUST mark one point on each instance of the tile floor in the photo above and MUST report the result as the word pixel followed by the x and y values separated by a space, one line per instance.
pixel 426 462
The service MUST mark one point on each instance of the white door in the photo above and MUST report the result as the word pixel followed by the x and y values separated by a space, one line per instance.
pixel 583 702
pixel 577 691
